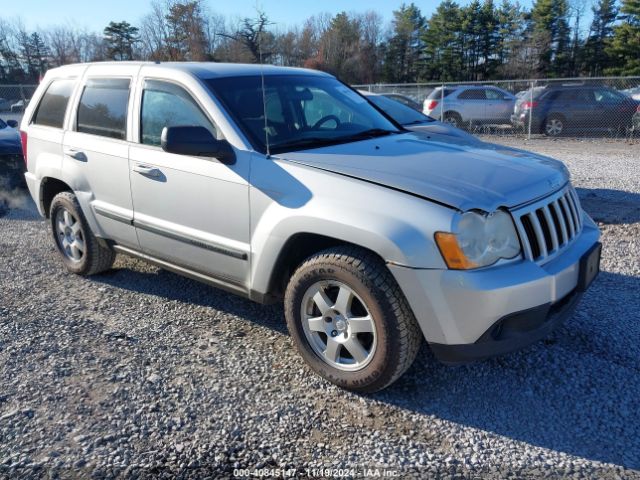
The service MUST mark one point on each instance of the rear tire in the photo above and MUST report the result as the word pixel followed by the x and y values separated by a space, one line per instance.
pixel 82 253
pixel 350 321
pixel 453 118
pixel 554 125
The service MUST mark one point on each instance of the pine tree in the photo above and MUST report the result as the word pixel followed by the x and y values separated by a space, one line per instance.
pixel 596 56
pixel 551 34
pixel 624 49
pixel 443 43
pixel 401 59
pixel 120 38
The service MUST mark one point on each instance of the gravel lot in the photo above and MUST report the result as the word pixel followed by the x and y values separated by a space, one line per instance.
pixel 141 373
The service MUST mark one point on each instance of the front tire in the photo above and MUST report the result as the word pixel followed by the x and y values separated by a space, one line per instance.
pixel 350 321
pixel 81 251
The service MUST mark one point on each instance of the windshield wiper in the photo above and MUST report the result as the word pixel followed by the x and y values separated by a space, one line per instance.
pixel 303 143
pixel 312 142
pixel 417 122
pixel 371 133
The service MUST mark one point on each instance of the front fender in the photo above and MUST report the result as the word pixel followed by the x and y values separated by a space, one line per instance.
pixel 289 199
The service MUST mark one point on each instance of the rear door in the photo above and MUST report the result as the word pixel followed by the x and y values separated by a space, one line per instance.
pixel 96 151
pixel 473 102
pixel 45 129
pixel 612 108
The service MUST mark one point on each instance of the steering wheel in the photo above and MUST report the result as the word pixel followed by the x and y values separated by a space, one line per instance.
pixel 324 120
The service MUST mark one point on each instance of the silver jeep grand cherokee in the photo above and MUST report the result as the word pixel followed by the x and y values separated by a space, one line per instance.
pixel 285 184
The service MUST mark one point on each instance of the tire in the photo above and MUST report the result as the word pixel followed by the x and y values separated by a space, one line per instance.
pixel 387 330
pixel 80 250
pixel 554 125
pixel 453 118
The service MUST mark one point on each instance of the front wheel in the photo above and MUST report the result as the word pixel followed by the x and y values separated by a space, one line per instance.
pixel 81 251
pixel 350 321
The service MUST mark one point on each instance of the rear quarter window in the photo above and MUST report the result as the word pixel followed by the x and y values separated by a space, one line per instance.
pixel 53 105
pixel 437 93
pixel 103 107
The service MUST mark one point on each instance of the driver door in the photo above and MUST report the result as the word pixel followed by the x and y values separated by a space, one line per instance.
pixel 190 211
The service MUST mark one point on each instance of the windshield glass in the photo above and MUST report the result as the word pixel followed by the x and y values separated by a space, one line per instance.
pixel 303 111
pixel 402 114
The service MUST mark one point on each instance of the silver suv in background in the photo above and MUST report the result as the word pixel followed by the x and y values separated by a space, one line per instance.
pixel 284 184
pixel 467 105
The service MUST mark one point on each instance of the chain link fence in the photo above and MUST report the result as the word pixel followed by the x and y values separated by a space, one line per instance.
pixel 604 107
pixel 14 99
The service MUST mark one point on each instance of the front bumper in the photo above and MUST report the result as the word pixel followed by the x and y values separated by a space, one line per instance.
pixel 460 312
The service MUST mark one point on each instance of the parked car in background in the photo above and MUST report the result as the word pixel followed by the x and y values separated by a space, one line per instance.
pixel 418 121
pixel 470 104
pixel 285 185
pixel 19 106
pixel 556 109
pixel 5 105
pixel 405 100
pixel 12 165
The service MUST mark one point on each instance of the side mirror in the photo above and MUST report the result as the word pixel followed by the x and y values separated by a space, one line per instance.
pixel 196 141
pixel 12 123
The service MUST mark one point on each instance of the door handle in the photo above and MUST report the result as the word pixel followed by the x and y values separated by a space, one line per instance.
pixel 75 154
pixel 147 170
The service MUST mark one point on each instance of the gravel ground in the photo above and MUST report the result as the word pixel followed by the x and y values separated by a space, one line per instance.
pixel 142 373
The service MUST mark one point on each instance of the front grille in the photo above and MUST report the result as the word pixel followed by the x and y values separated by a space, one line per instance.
pixel 550 225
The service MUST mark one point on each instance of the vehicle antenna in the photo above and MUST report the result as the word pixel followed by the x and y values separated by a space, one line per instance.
pixel 264 99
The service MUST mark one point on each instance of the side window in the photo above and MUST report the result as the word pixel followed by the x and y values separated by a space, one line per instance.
pixel 494 94
pixel 564 95
pixel 53 105
pixel 103 107
pixel 606 96
pixel 473 94
pixel 165 104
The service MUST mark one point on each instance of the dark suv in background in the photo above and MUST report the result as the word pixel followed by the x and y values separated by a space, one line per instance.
pixel 556 109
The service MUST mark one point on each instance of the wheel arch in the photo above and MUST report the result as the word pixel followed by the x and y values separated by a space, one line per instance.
pixel 49 188
pixel 294 251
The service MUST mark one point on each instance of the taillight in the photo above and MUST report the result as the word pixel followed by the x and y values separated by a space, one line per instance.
pixel 23 140
pixel 526 105
pixel 432 104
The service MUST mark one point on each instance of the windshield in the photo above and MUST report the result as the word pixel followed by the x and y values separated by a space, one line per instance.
pixel 303 111
pixel 402 114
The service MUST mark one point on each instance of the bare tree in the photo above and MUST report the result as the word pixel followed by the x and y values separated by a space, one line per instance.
pixel 253 35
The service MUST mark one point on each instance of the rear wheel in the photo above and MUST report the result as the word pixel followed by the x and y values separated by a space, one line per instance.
pixel 453 118
pixel 81 251
pixel 350 321
pixel 554 125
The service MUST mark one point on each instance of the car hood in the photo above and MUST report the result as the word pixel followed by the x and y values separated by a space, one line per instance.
pixel 440 131
pixel 9 141
pixel 458 174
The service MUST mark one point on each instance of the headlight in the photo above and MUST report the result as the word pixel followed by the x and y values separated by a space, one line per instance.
pixel 479 240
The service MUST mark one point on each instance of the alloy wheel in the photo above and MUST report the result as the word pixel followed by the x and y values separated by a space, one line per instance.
pixel 338 325
pixel 69 235
pixel 554 126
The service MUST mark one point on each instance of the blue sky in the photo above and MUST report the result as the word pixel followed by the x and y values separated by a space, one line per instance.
pixel 96 15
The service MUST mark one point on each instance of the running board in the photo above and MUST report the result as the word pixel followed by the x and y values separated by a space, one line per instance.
pixel 223 284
